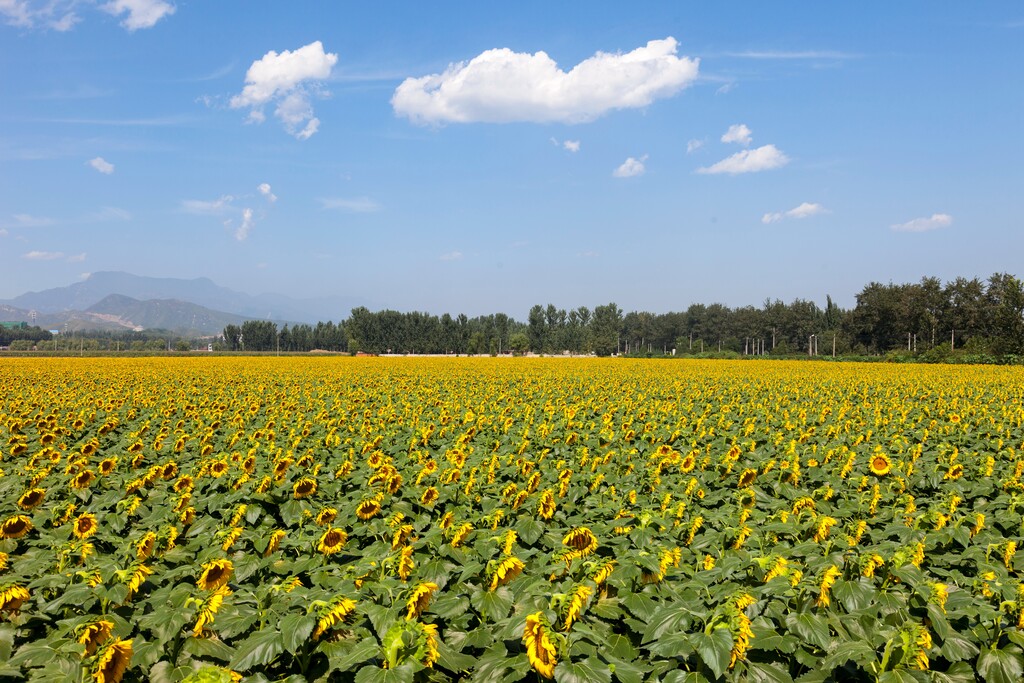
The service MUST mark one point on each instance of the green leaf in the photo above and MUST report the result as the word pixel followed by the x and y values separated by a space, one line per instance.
pixel 714 649
pixel 961 672
pixel 673 617
pixel 453 661
pixel 625 672
pixel 345 655
pixel 296 629
pixel 589 670
pixel 373 674
pixel 259 649
pixel 6 641
pixel 494 605
pixel 902 676
pixel 1000 666
pixel 759 672
pixel 857 651
pixel 207 648
pixel 812 628
pixel 957 648
pixel 684 677
pixel 529 530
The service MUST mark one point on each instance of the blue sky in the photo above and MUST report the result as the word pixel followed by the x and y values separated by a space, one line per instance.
pixel 426 156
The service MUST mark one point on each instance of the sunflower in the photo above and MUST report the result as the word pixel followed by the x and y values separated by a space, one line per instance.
pixel 405 563
pixel 169 470
pixel 430 644
pixel 208 608
pixel 12 596
pixel 368 509
pixel 219 468
pixel 582 540
pixel 955 472
pixel 332 613
pixel 687 463
pixel 31 498
pixel 540 650
pixel 82 479
pixel 880 464
pixel 429 496
pixel 326 516
pixel 15 527
pixel 332 541
pixel 827 581
pixel 546 505
pixel 107 466
pixel 94 634
pixel 275 541
pixel 144 546
pixel 460 534
pixel 747 478
pixel 603 572
pixel 113 662
pixel 506 571
pixel 216 574
pixel 85 525
pixel 577 601
pixel 304 488
pixel 184 483
pixel 419 599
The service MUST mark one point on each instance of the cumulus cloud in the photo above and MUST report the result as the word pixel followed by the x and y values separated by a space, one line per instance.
pixel 77 258
pixel 749 161
pixel 501 86
pixel 214 207
pixel 289 80
pixel 264 189
pixel 571 145
pixel 57 15
pixel 451 256
pixel 803 211
pixel 43 255
pixel 101 165
pixel 693 145
pixel 936 220
pixel 739 133
pixel 246 226
pixel 351 204
pixel 141 13
pixel 631 167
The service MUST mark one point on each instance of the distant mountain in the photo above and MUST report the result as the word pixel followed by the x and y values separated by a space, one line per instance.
pixel 119 312
pixel 83 295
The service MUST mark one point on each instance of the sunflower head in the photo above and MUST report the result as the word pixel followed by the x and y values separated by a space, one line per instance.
pixel 85 525
pixel 304 488
pixel 368 509
pixel 112 662
pixel 747 478
pixel 31 498
pixel 880 464
pixel 15 527
pixel 94 634
pixel 332 541
pixel 216 573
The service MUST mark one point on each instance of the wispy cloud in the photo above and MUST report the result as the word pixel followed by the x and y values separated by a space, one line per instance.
pixel 101 165
pixel 793 54
pixel 924 224
pixel 61 15
pixel 139 13
pixel 451 256
pixel 350 204
pixel 77 258
pixel 738 133
pixel 631 167
pixel 24 220
pixel 749 161
pixel 693 145
pixel 264 189
pixel 156 121
pixel 805 210
pixel 43 255
pixel 211 207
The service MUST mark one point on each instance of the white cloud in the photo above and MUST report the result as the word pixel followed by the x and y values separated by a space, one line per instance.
pixel 141 13
pixel 101 165
pixel 24 220
pixel 803 211
pixel 77 258
pixel 43 255
pixel 3 232
pixel 351 205
pixel 264 189
pixel 693 145
pixel 726 88
pixel 631 167
pixel 792 54
pixel 590 253
pixel 53 14
pixel 245 228
pixel 214 207
pixel 451 256
pixel 571 145
pixel 739 133
pixel 289 79
pixel 501 86
pixel 107 213
pixel 936 220
pixel 749 161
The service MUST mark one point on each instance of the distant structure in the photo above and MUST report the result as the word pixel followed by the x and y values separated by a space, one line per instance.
pixel 13 324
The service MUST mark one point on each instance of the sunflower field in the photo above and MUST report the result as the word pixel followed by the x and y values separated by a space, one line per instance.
pixel 399 520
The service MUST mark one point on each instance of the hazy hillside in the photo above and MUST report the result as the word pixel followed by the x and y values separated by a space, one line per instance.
pixel 203 292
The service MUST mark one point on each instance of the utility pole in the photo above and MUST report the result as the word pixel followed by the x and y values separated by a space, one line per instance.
pixel 952 339
pixel 833 346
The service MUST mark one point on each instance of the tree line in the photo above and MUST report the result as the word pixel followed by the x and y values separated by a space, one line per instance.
pixel 983 317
